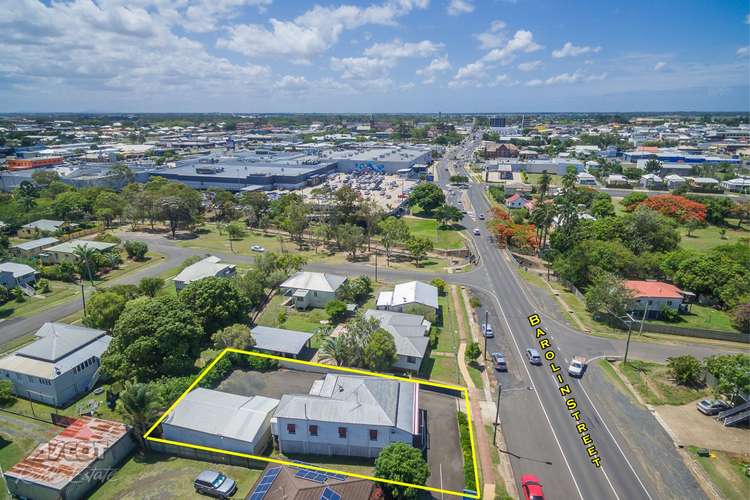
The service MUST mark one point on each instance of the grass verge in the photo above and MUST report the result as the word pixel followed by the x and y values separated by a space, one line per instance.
pixel 653 383
pixel 727 473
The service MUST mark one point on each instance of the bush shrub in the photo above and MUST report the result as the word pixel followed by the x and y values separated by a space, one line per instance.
pixel 465 437
pixel 670 315
pixel 6 393
pixel 136 250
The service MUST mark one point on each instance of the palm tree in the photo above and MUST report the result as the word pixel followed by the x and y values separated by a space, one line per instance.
pixel 542 217
pixel 85 255
pixel 333 349
pixel 139 406
pixel 544 182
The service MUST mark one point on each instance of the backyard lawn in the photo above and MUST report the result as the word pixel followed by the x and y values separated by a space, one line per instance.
pixel 709 237
pixel 441 238
pixel 703 317
pixel 555 180
pixel 154 475
pixel 653 383
pixel 441 369
pixel 448 336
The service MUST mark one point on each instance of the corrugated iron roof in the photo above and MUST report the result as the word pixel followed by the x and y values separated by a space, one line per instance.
pixel 64 457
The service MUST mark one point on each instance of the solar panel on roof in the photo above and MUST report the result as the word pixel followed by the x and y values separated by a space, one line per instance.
pixel 265 483
pixel 340 477
pixel 313 476
pixel 329 494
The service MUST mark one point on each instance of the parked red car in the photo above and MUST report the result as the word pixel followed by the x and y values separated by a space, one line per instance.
pixel 532 488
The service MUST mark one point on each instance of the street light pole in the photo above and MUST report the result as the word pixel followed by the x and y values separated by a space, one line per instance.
pixel 376 265
pixel 497 413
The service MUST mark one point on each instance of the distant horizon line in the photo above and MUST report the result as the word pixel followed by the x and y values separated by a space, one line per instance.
pixel 379 113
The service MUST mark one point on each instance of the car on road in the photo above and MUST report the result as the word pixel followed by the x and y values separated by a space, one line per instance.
pixel 487 331
pixel 498 359
pixel 257 248
pixel 712 406
pixel 577 367
pixel 214 484
pixel 481 216
pixel 476 232
pixel 532 487
pixel 533 356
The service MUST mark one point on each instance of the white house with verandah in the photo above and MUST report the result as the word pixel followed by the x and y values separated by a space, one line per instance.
pixel 348 415
pixel 309 289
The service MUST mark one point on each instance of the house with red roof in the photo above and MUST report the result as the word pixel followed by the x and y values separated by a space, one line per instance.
pixel 518 201
pixel 652 297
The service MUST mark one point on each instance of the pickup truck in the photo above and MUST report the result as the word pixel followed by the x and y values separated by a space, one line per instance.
pixel 577 367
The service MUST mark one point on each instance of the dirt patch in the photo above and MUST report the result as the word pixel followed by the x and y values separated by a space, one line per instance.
pixel 690 426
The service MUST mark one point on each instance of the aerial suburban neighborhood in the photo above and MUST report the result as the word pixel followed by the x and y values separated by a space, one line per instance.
pixel 396 249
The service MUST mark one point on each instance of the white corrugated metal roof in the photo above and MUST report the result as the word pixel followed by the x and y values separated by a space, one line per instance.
pixel 222 414
pixel 321 282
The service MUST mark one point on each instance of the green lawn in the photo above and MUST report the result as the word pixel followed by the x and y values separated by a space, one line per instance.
pixel 448 335
pixel 302 321
pixel 555 180
pixel 727 473
pixel 429 228
pixel 210 239
pixel 709 237
pixel 39 410
pixel 59 292
pixel 703 317
pixel 652 381
pixel 475 372
pixel 441 369
pixel 154 475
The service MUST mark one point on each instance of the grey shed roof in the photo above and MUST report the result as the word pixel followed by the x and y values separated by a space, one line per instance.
pixel 206 268
pixel 222 414
pixel 57 340
pixel 279 340
pixel 45 224
pixel 30 245
pixel 409 331
pixel 18 270
pixel 70 246
pixel 320 282
pixel 350 399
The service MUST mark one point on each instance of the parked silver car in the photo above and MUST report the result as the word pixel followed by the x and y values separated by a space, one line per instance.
pixel 712 406
pixel 214 484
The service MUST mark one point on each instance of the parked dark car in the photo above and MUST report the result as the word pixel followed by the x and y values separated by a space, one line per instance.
pixel 214 484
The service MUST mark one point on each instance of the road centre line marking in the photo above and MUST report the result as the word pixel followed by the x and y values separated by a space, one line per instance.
pixel 544 410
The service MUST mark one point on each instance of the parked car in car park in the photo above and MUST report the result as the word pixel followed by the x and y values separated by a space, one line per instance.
pixel 712 406
pixel 214 484
pixel 498 359
pixel 533 356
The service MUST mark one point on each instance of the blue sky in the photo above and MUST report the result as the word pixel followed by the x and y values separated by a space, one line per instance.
pixel 374 56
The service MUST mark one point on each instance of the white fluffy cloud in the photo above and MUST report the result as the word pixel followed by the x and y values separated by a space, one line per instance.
pixel 362 68
pixel 458 7
pixel 471 71
pixel 398 49
pixel 493 37
pixel 570 50
pixel 314 31
pixel 529 66
pixel 522 41
pixel 659 66
pixel 743 51
pixel 110 46
pixel 436 66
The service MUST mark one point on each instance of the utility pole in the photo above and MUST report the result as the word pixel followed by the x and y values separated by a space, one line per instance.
pixel 376 265
pixel 497 413
pixel 83 298
pixel 486 324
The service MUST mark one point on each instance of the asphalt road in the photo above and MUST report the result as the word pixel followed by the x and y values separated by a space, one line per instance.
pixel 540 431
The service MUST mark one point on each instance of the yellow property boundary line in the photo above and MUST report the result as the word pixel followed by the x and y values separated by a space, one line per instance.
pixel 208 368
